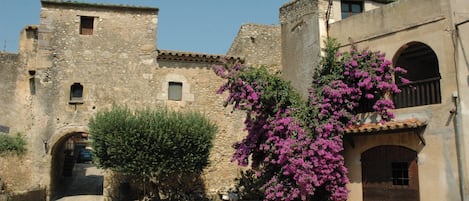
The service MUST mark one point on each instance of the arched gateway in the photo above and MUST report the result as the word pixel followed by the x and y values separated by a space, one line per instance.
pixel 65 147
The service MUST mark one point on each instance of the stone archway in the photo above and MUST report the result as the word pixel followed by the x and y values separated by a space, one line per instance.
pixel 66 176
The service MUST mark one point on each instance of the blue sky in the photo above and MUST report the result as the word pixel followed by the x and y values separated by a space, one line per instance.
pixel 205 26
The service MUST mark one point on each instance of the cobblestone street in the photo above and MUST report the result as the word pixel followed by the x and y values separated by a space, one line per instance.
pixel 86 184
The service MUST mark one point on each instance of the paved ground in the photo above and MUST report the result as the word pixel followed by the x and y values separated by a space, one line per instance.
pixel 86 184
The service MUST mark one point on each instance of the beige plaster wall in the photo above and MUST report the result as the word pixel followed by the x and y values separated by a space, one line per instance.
pixel 301 39
pixel 388 29
pixel 462 42
pixel 388 19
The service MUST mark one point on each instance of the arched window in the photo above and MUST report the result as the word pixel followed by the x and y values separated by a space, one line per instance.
pixel 421 64
pixel 76 93
pixel 390 173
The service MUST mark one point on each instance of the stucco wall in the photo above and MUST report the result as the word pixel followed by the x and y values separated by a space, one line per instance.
pixel 388 19
pixel 299 22
pixel 336 9
pixel 462 58
pixel 389 29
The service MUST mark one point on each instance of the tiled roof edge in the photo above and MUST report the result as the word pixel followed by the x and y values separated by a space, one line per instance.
pixel 170 55
pixel 388 126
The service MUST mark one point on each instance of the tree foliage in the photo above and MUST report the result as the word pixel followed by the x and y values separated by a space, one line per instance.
pixel 152 144
pixel 295 144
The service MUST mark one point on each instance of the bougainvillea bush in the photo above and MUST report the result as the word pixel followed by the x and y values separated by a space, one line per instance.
pixel 294 145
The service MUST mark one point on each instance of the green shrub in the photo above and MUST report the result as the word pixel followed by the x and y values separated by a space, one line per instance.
pixel 12 144
pixel 161 144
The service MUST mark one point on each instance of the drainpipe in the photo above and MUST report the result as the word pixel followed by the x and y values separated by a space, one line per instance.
pixel 457 117
pixel 459 151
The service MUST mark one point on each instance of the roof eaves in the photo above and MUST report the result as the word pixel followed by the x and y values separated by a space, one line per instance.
pixel 397 125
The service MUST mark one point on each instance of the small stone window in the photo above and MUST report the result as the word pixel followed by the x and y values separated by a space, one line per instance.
pixel 32 82
pixel 86 25
pixel 76 93
pixel 400 173
pixel 175 91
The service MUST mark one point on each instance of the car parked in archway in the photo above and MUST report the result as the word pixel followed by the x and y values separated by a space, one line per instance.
pixel 85 155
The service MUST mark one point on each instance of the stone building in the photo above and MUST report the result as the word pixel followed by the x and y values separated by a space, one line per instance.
pixel 83 57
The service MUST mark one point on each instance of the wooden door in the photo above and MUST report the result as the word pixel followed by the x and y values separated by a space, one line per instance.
pixel 390 173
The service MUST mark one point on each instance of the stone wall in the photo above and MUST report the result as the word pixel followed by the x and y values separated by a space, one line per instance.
pixel 258 45
pixel 203 84
pixel 116 64
pixel 8 66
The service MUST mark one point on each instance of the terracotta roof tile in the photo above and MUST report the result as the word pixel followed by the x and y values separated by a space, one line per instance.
pixel 170 55
pixel 388 126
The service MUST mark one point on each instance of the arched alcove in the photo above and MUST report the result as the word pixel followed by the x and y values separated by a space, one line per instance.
pixel 422 67
pixel 390 172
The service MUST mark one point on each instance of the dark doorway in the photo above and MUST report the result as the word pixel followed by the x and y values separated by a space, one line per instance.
pixel 390 173
pixel 70 176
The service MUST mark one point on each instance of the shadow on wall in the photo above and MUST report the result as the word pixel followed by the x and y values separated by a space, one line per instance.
pixel 36 195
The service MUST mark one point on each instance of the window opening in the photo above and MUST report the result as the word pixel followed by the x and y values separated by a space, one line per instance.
pixel 422 67
pixel 350 8
pixel 175 91
pixel 32 82
pixel 400 173
pixel 86 25
pixel 76 92
pixel 32 86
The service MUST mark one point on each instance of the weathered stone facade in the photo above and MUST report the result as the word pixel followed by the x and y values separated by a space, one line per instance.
pixel 119 63
pixel 258 45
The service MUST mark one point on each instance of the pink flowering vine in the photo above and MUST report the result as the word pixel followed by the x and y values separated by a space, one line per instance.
pixel 294 144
